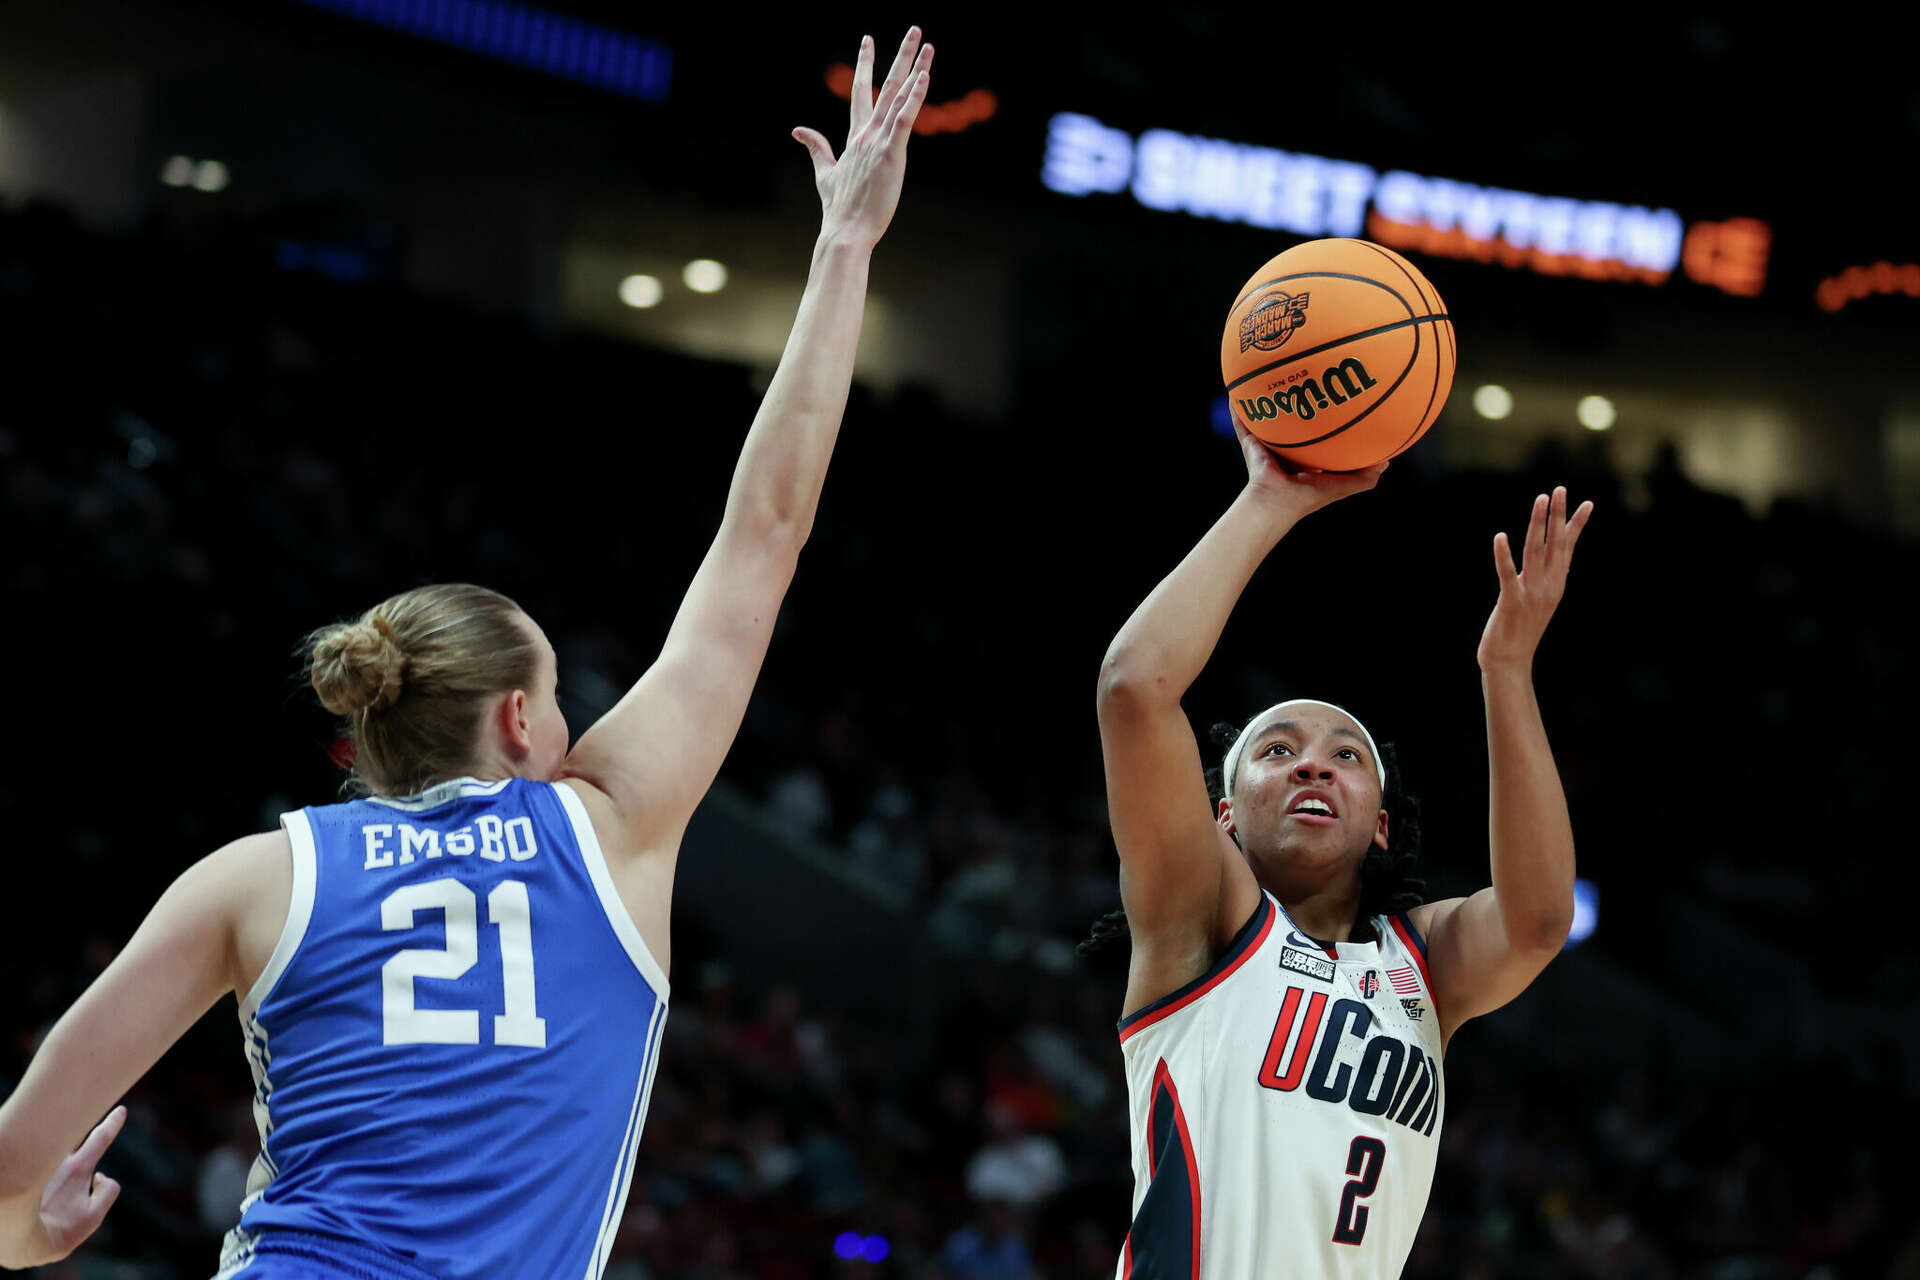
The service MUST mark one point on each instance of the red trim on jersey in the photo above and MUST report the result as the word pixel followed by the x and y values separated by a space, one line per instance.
pixel 1162 1076
pixel 1419 951
pixel 1419 943
pixel 1166 1006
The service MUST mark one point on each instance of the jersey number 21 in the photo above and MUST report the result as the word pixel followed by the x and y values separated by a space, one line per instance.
pixel 507 911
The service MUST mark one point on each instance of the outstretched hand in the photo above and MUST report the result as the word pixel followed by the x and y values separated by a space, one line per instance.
pixel 1300 491
pixel 1530 594
pixel 76 1198
pixel 860 190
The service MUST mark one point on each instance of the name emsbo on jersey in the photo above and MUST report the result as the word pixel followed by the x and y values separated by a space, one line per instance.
pixel 488 836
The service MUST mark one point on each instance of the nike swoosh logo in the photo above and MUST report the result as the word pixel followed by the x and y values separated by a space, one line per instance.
pixel 1297 939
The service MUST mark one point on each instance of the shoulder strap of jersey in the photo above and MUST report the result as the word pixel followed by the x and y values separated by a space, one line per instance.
pixel 299 829
pixel 609 893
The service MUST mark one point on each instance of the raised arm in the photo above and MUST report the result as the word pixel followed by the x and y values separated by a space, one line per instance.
pixel 186 955
pixel 1485 949
pixel 658 750
pixel 1182 881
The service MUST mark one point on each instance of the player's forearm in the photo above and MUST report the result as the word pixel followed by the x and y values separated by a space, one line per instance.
pixel 23 1241
pixel 783 464
pixel 1529 830
pixel 1166 643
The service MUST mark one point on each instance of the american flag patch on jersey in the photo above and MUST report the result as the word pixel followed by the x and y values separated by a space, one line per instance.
pixel 1404 980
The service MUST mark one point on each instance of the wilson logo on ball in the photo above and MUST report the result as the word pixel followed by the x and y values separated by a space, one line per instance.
pixel 1272 320
pixel 1336 385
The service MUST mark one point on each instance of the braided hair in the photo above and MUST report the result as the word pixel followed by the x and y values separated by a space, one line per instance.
pixel 1388 883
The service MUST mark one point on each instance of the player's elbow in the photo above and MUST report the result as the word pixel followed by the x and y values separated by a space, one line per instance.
pixel 788 522
pixel 1543 931
pixel 775 529
pixel 1128 684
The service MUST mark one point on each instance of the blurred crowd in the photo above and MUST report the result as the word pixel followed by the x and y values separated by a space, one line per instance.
pixel 206 453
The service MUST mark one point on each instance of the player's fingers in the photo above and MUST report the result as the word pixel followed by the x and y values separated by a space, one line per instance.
pixel 1503 560
pixel 104 1133
pixel 897 73
pixel 1556 518
pixel 1364 479
pixel 901 126
pixel 910 102
pixel 1536 533
pixel 1575 525
pixel 105 1191
pixel 818 149
pixel 102 1137
pixel 908 85
pixel 860 104
pixel 90 1207
pixel 1251 447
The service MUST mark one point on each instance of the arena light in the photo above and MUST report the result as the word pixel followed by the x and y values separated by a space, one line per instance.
pixel 641 292
pixel 210 176
pixel 976 106
pixel 704 275
pixel 1553 236
pixel 527 36
pixel 1310 195
pixel 1222 417
pixel 177 171
pixel 851 1245
pixel 1731 256
pixel 1863 281
pixel 1085 156
pixel 1586 913
pixel 1492 401
pixel 1595 413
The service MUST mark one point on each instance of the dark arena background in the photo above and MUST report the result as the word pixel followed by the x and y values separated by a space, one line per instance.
pixel 304 303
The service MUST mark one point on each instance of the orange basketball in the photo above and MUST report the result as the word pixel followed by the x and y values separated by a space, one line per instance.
pixel 1338 354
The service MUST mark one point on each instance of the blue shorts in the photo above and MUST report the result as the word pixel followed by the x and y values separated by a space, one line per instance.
pixel 303 1255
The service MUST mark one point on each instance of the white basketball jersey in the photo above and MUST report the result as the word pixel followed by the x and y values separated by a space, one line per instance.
pixel 1286 1109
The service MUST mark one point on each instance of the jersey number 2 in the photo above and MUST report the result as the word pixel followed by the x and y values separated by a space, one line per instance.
pixel 1364 1160
pixel 507 911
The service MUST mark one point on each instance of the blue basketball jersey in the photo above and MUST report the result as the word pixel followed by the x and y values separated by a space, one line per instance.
pixel 453 1042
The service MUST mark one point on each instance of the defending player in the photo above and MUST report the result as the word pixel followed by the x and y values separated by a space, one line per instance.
pixel 1283 1045
pixel 452 991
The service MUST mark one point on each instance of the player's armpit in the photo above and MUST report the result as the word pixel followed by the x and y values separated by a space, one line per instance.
pixel 1473 965
pixel 658 750
pixel 179 962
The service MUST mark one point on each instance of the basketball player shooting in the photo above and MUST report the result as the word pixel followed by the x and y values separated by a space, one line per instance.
pixel 452 990
pixel 1286 1016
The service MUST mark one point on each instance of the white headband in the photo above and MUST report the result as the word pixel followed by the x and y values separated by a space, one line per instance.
pixel 1262 721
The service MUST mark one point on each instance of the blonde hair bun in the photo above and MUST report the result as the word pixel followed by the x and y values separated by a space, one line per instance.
pixel 358 666
pixel 448 647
